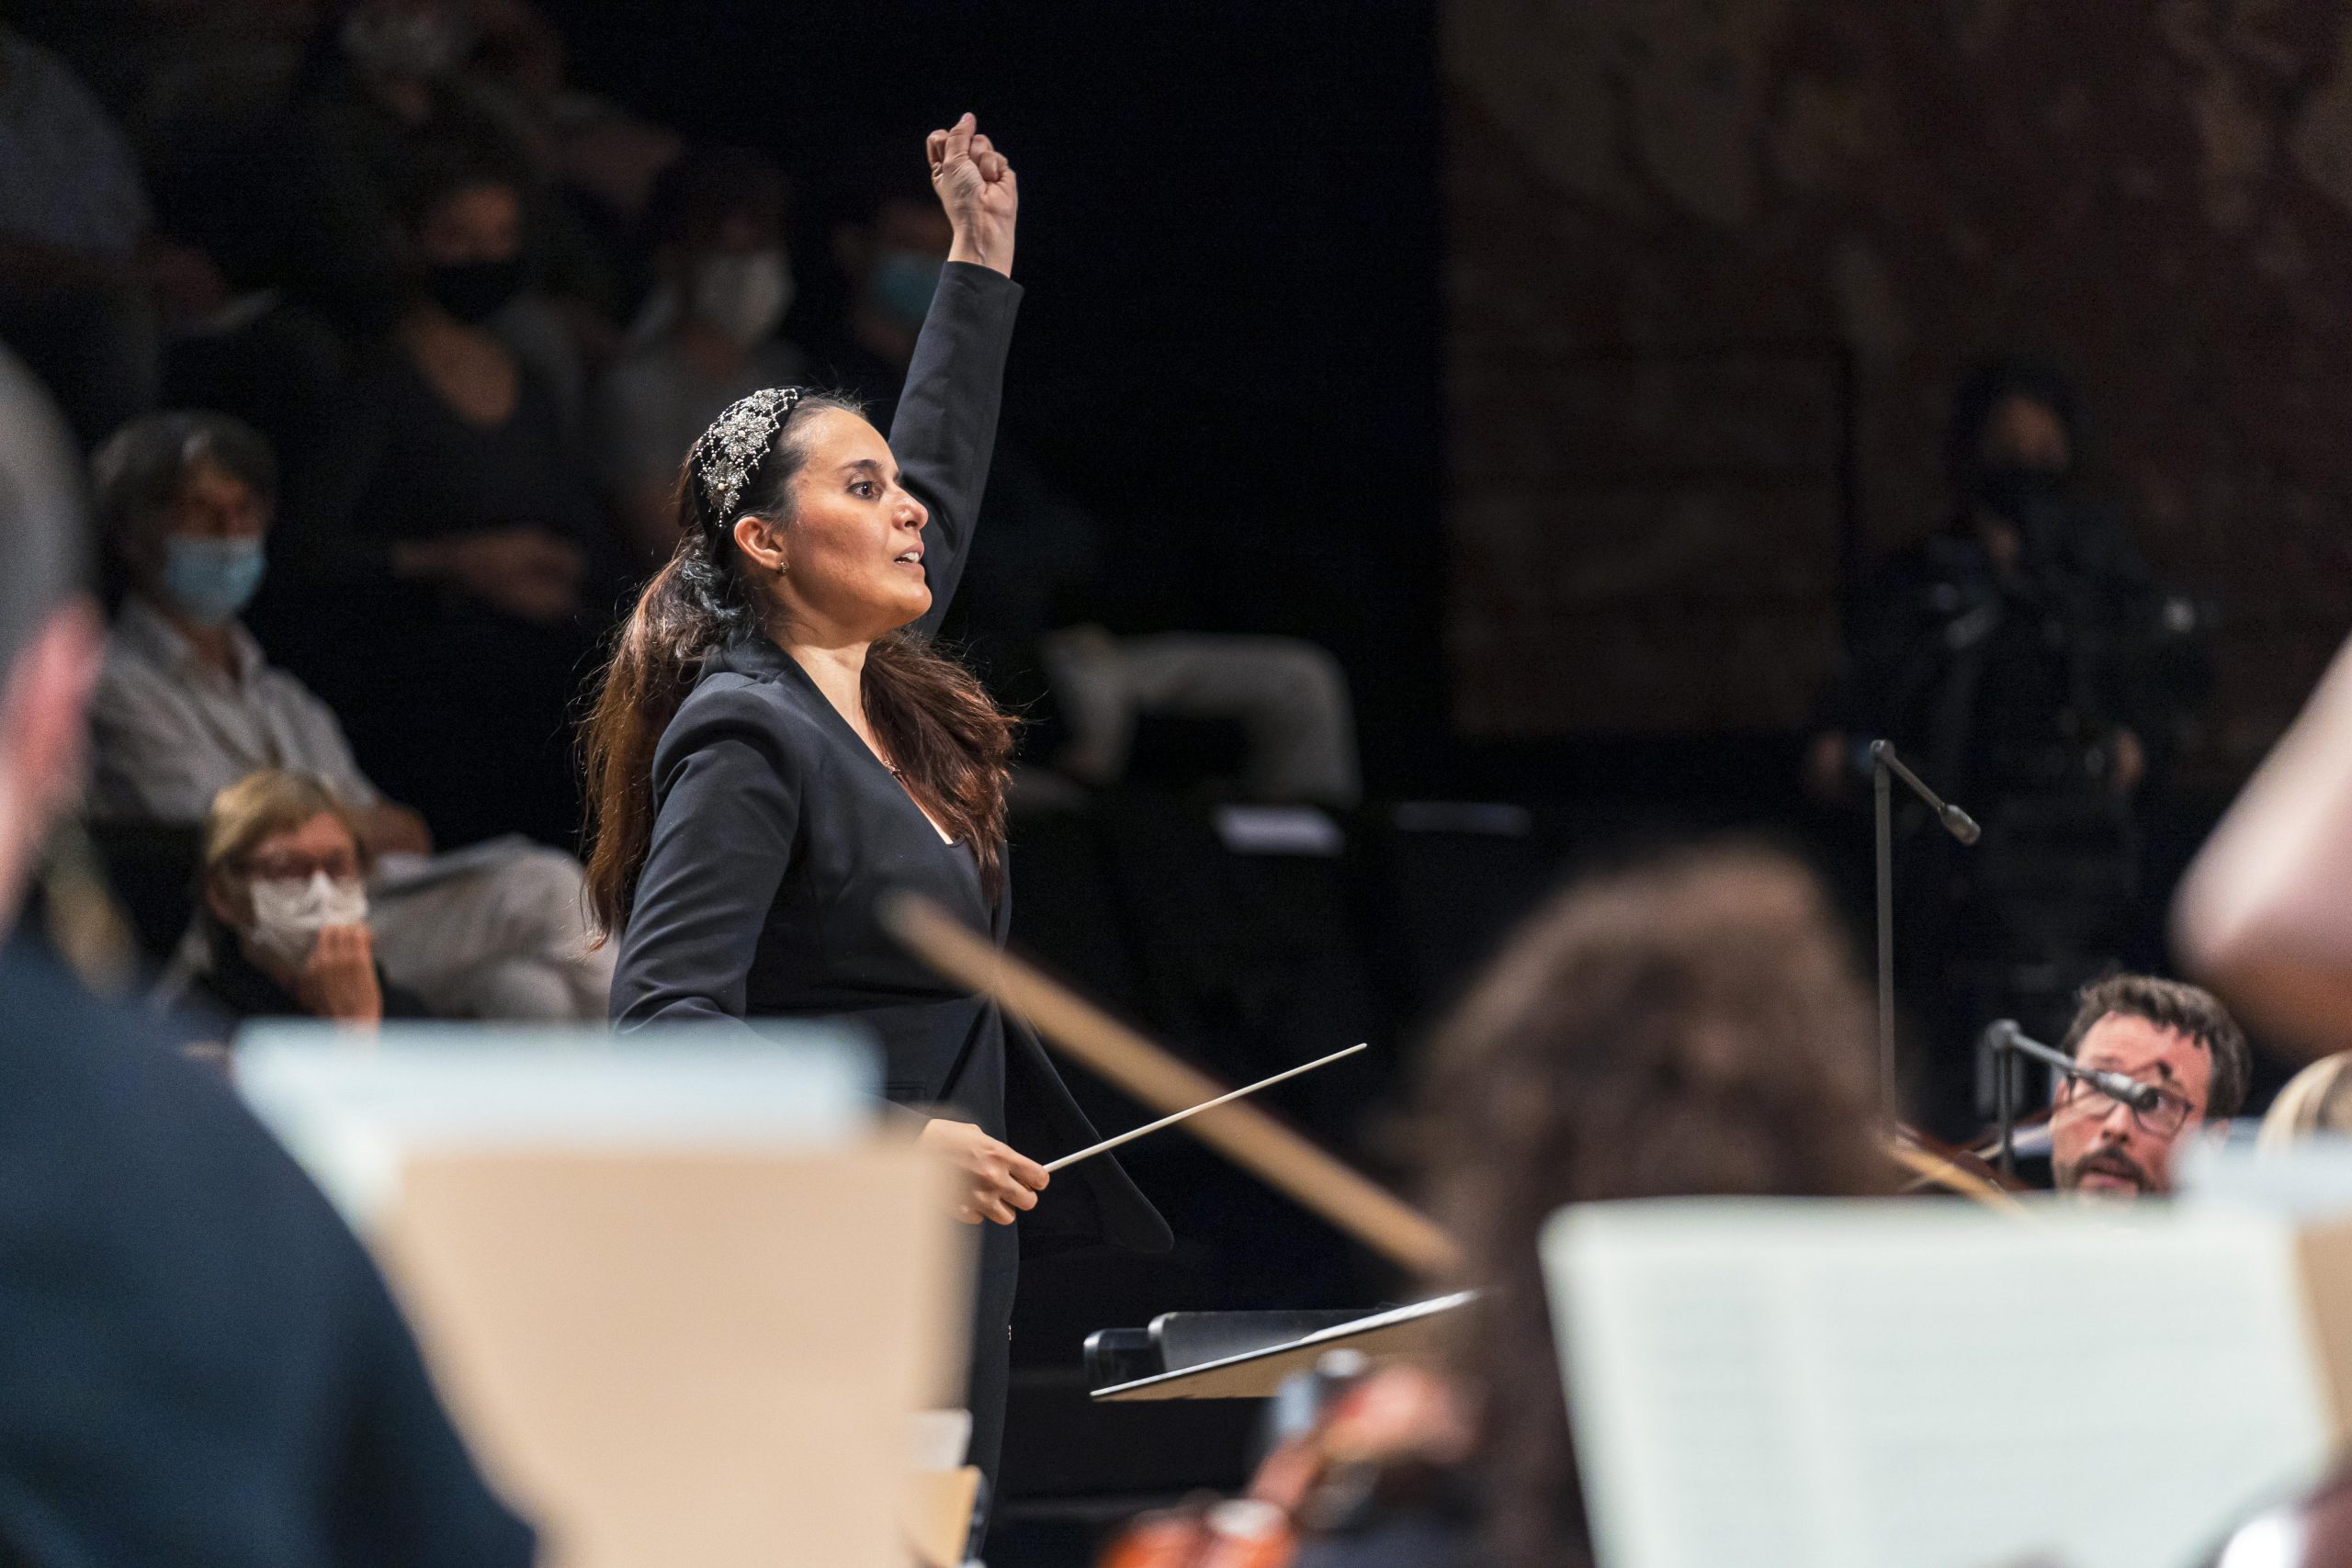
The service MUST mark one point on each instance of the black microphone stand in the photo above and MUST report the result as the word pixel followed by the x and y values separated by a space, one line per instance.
pixel 2004 1036
pixel 1885 766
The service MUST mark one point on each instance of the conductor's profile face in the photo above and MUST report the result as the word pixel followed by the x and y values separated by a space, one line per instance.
pixel 2103 1147
pixel 852 551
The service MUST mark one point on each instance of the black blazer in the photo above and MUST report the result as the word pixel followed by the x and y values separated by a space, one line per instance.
pixel 198 1363
pixel 776 829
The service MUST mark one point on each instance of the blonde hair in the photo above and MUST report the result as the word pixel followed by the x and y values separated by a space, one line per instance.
pixel 261 806
pixel 2317 1100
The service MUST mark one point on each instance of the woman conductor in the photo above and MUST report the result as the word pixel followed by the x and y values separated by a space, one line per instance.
pixel 776 745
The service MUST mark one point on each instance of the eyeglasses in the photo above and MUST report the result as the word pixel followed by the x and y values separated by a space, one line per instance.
pixel 2164 1120
pixel 340 866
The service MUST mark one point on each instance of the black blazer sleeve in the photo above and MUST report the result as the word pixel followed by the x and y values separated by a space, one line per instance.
pixel 945 427
pixel 727 795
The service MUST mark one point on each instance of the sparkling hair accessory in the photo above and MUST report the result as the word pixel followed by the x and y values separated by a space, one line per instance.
pixel 730 450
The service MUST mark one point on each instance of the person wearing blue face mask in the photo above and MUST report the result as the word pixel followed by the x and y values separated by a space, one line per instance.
pixel 210 580
pixel 187 705
pixel 185 502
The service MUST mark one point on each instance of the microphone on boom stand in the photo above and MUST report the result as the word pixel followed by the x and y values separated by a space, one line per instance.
pixel 2004 1035
pixel 1885 766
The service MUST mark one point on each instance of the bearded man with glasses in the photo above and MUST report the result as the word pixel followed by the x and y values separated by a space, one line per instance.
pixel 2175 1038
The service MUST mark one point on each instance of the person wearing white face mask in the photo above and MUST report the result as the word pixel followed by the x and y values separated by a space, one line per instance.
pixel 188 704
pixel 706 337
pixel 284 922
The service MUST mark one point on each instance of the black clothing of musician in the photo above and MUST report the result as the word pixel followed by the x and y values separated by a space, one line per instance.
pixel 199 1364
pixel 2029 663
pixel 777 828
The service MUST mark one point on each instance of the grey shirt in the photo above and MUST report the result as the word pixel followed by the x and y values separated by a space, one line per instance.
pixel 170 730
pixel 652 405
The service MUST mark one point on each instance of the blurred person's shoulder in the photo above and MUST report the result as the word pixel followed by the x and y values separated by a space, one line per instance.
pixel 187 1329
pixel 123 1114
pixel 72 1061
pixel 125 1148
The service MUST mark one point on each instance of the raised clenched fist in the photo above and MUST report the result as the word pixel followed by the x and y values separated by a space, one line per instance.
pixel 978 188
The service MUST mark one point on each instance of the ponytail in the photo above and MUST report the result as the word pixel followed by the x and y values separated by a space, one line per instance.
pixel 952 743
pixel 690 608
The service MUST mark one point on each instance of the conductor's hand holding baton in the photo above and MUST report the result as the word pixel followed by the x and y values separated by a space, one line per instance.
pixel 993 1178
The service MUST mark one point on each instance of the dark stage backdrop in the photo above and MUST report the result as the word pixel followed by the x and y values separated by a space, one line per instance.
pixel 1229 234
pixel 1699 247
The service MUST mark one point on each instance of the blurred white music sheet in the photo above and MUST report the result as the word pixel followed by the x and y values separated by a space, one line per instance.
pixel 352 1108
pixel 1819 1385
pixel 679 1290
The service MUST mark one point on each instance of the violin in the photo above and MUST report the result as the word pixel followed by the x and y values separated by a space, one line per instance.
pixel 1936 1166
pixel 1376 1438
pixel 1238 1533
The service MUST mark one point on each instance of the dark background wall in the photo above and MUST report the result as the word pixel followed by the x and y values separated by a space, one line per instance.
pixel 1230 239
pixel 1715 264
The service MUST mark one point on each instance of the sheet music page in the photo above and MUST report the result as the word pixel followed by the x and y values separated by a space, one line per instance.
pixel 353 1108
pixel 1792 1384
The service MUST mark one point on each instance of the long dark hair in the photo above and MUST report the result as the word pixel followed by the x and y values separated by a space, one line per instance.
pixel 952 744
pixel 1690 1027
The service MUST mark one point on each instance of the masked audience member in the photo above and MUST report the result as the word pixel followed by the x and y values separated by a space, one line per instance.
pixel 282 930
pixel 1023 621
pixel 706 338
pixel 448 569
pixel 2174 1038
pixel 391 86
pixel 201 1364
pixel 188 706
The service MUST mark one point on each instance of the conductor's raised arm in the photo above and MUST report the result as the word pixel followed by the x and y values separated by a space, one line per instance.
pixel 945 428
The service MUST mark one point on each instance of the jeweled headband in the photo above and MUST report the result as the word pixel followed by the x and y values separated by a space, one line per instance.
pixel 730 451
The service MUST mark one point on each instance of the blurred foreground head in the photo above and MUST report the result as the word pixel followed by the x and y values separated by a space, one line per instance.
pixel 1693 1026
pixel 50 635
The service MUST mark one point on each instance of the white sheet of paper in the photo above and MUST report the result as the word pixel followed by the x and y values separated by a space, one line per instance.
pixel 2310 1181
pixel 1791 1384
pixel 352 1107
